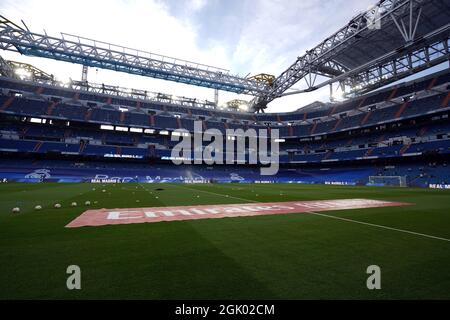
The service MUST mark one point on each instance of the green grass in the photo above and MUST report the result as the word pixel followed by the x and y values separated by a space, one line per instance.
pixel 293 256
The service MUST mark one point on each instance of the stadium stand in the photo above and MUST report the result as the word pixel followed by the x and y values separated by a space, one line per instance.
pixel 408 121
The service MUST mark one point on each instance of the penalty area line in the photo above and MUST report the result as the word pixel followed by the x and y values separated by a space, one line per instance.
pixel 379 226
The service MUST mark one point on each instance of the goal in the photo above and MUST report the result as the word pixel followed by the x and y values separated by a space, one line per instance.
pixel 390 181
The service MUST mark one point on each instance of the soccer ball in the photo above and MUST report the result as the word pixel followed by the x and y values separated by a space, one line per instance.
pixel 38 207
pixel 88 203
pixel 16 210
pixel 73 204
pixel 57 205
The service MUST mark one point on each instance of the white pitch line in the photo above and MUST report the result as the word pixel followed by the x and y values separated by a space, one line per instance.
pixel 379 226
pixel 335 217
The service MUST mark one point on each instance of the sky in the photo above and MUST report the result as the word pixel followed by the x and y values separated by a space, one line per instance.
pixel 243 36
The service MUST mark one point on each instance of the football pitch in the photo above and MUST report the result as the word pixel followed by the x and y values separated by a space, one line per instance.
pixel 305 255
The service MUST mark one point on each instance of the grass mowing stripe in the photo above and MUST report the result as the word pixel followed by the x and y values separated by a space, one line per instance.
pixel 218 194
pixel 338 218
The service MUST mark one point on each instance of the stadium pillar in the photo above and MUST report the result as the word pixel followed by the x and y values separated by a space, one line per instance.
pixel 216 97
pixel 84 73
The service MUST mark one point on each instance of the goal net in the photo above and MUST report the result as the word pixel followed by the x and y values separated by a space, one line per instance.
pixel 390 181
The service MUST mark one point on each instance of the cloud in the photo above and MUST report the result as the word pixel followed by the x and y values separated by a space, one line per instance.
pixel 197 5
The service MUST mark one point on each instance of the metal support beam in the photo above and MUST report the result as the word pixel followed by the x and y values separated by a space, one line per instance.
pixel 6 69
pixel 98 54
pixel 27 71
pixel 116 91
pixel 393 66
pixel 408 33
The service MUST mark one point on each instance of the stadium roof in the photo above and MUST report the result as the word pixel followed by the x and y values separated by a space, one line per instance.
pixel 370 45
pixel 388 42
